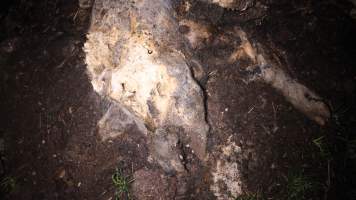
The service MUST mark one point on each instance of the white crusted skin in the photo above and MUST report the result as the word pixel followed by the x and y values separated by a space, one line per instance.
pixel 133 57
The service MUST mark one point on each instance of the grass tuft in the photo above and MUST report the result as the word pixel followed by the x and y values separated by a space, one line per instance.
pixel 8 184
pixel 247 197
pixel 298 186
pixel 323 147
pixel 122 185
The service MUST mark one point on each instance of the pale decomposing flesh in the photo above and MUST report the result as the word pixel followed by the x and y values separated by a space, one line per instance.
pixel 134 58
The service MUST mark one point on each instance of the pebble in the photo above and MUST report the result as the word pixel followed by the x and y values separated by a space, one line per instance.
pixel 62 174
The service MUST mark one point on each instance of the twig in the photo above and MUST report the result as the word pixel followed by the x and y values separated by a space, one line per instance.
pixel 75 15
pixel 253 107
pixel 274 112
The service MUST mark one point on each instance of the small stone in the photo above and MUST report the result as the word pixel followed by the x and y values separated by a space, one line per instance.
pixel 62 173
pixel 150 159
pixel 181 157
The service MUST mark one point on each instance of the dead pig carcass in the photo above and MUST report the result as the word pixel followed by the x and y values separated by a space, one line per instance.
pixel 134 58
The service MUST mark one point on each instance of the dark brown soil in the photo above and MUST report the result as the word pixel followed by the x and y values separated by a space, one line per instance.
pixel 48 140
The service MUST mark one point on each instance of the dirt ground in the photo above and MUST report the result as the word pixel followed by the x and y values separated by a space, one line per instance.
pixel 49 144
